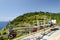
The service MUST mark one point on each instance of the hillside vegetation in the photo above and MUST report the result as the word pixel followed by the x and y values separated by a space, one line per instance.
pixel 28 18
pixel 32 17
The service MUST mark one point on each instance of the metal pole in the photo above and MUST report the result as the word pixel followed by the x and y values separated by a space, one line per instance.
pixel 29 28
pixel 9 28
pixel 44 26
pixel 38 24
pixel 50 16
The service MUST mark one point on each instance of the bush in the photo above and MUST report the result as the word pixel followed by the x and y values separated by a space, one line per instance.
pixel 0 33
pixel 4 33
pixel 1 38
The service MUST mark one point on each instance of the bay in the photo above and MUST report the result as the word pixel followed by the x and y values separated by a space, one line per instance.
pixel 3 24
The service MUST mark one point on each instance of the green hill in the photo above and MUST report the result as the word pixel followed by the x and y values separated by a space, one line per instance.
pixel 28 18
pixel 31 18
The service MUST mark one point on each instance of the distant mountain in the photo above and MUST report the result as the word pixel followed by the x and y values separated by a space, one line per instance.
pixel 2 24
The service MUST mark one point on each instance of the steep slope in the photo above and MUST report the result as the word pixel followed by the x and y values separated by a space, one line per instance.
pixel 28 18
pixel 31 18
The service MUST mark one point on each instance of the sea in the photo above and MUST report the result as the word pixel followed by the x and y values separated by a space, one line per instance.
pixel 3 24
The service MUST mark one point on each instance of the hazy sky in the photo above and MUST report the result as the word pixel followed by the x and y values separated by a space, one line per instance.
pixel 10 9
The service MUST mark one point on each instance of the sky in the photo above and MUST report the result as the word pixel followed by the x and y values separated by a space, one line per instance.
pixel 10 9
